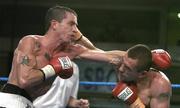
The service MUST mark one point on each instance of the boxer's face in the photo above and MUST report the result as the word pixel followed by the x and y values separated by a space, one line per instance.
pixel 67 27
pixel 127 69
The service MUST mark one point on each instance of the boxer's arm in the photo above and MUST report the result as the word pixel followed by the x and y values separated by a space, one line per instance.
pixel 84 41
pixel 97 54
pixel 161 101
pixel 87 43
pixel 24 64
pixel 161 94
pixel 161 58
pixel 94 53
pixel 101 56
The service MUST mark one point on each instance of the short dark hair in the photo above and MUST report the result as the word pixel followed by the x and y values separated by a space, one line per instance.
pixel 143 54
pixel 56 13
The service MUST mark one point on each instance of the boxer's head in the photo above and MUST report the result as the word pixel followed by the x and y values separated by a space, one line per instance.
pixel 137 60
pixel 61 24
pixel 143 55
pixel 57 13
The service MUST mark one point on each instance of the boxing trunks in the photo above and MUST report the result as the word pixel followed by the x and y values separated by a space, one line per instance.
pixel 14 97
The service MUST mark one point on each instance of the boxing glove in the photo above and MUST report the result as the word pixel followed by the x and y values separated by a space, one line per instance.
pixel 61 66
pixel 128 94
pixel 161 59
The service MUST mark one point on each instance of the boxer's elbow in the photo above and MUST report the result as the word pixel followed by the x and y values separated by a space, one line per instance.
pixel 30 79
pixel 23 82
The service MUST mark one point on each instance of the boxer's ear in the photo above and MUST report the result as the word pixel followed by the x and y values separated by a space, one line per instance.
pixel 54 24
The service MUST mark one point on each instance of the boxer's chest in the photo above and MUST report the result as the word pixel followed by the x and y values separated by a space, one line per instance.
pixel 43 59
pixel 43 56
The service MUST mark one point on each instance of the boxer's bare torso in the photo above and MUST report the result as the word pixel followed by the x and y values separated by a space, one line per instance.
pixel 34 56
pixel 156 88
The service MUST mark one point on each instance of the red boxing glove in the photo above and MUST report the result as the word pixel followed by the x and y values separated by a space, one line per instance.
pixel 128 94
pixel 61 66
pixel 161 59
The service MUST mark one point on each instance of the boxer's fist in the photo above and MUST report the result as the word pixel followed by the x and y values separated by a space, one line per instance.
pixel 128 94
pixel 61 66
pixel 161 59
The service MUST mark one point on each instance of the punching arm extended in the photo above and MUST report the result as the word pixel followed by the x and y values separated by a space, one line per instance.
pixel 112 57
pixel 94 53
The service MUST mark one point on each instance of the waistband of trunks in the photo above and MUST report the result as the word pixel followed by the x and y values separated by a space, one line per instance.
pixel 13 89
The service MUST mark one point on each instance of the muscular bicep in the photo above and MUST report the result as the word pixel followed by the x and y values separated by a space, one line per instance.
pixel 24 63
pixel 161 101
pixel 24 54
pixel 23 58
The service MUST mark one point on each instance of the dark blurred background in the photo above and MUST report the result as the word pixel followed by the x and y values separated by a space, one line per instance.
pixel 109 24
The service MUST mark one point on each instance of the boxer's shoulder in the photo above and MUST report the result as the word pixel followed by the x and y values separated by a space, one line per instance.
pixel 160 77
pixel 33 41
pixel 31 38
pixel 26 40
pixel 160 84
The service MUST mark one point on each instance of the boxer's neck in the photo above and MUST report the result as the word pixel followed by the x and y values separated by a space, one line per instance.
pixel 144 80
pixel 52 44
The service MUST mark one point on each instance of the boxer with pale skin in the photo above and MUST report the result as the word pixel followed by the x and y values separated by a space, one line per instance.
pixel 38 60
pixel 151 87
pixel 139 85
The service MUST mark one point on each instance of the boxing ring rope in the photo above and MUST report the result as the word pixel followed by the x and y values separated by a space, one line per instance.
pixel 92 83
pixel 86 83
